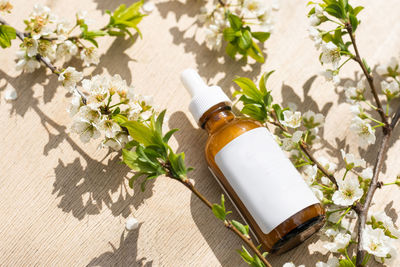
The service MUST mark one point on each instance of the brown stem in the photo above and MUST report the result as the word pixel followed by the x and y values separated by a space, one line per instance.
pixel 42 59
pixel 228 223
pixel 369 77
pixel 304 147
pixel 370 193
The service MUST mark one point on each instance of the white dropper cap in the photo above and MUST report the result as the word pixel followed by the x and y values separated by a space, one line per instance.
pixel 203 96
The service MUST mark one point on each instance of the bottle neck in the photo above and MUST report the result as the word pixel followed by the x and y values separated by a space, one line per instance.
pixel 216 117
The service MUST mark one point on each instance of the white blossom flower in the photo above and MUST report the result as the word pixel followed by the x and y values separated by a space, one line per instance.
pixel 352 161
pixel 10 94
pixel 47 49
pixel 76 104
pixel 81 15
pixel 266 22
pixel 69 77
pixel 375 242
pixel 290 143
pixel 31 46
pixel 116 84
pixel 97 89
pixel 311 172
pixel 203 15
pixel 5 6
pixel 349 192
pixel 25 63
pixel 330 167
pixel 89 56
pixel 356 109
pixel 331 76
pixel 390 89
pixel 364 131
pixel 131 223
pixel 109 127
pixel 86 130
pixel 340 241
pixel 87 113
pixel 367 173
pixel 385 221
pixel 354 93
pixel 213 37
pixel 66 49
pixel 38 23
pixel 253 8
pixel 313 120
pixel 148 7
pixel 391 66
pixel 330 54
pixel 291 119
pixel 332 262
pixel 118 142
pixel 315 36
pixel 315 18
pixel 317 192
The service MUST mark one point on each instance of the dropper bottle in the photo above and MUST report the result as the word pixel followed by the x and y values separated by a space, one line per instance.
pixel 261 182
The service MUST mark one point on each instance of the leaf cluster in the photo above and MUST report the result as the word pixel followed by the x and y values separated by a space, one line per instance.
pixel 149 154
pixel 257 102
pixel 240 39
pixel 253 261
pixel 7 33
pixel 125 18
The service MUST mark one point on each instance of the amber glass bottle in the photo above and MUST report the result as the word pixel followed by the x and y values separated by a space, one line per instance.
pixel 259 179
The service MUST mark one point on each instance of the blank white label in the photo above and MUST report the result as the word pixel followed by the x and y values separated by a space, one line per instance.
pixel 264 178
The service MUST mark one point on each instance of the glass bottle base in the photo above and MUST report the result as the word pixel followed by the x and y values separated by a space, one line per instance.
pixel 298 235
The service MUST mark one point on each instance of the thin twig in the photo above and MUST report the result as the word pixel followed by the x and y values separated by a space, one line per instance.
pixel 330 176
pixel 44 60
pixel 227 223
pixel 369 77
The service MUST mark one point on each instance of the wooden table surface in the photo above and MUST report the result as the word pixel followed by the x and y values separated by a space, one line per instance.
pixel 64 203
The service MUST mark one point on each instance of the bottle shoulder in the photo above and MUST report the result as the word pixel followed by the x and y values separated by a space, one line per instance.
pixel 231 130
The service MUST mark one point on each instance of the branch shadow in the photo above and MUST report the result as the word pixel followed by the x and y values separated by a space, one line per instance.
pixel 123 255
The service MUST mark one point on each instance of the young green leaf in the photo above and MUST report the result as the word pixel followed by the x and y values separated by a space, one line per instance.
pixel 7 33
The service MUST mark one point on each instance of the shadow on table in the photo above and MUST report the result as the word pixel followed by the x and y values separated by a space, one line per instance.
pixel 223 243
pixel 123 255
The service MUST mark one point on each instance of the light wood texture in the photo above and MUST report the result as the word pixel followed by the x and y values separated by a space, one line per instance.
pixel 62 203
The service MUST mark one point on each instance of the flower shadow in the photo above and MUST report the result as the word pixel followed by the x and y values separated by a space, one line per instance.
pixel 123 255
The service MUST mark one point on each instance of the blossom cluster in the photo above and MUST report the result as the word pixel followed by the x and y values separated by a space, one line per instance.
pixel 52 38
pixel 254 16
pixel 101 98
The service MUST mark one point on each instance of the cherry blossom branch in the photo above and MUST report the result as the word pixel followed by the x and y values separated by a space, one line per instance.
pixel 369 77
pixel 42 59
pixel 227 223
pixel 332 178
pixel 305 149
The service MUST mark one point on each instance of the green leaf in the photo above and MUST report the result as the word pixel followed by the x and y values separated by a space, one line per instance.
pixel 242 228
pixel 235 22
pixel 168 135
pixel 357 10
pixel 354 22
pixel 346 263
pixel 366 65
pixel 263 80
pixel 245 40
pixel 139 132
pixel 253 112
pixel 7 33
pixel 219 212
pixel 255 52
pixel 231 50
pixel 129 158
pixel 245 255
pixel 248 87
pixel 159 122
pixel 335 10
pixel 229 34
pixel 261 36
pixel 120 119
pixel 278 111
